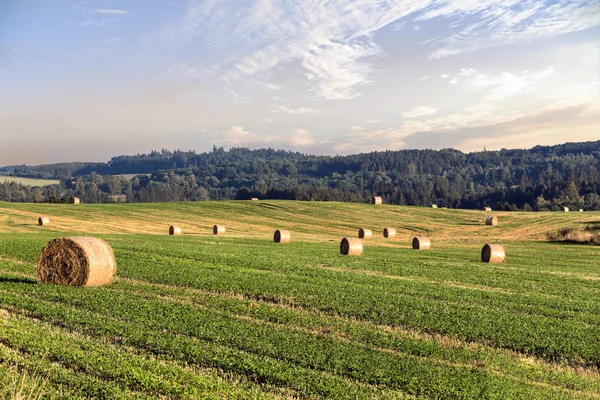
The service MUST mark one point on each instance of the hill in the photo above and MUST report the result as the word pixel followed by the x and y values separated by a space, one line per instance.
pixel 541 178
pixel 238 316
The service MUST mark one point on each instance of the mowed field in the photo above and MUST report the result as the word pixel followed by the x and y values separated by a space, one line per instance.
pixel 238 316
pixel 29 181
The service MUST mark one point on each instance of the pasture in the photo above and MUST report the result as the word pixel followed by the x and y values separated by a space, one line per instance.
pixel 29 181
pixel 238 316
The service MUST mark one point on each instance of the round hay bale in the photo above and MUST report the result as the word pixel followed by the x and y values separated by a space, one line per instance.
pixel 218 230
pixel 254 199
pixel 75 200
pixel 493 253
pixel 174 230
pixel 421 243
pixel 566 209
pixel 43 221
pixel 389 233
pixel 282 236
pixel 351 247
pixel 487 208
pixel 434 206
pixel 76 261
pixel 376 200
pixel 491 220
pixel 365 233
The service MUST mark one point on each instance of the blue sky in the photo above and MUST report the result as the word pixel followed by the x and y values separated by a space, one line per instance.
pixel 88 80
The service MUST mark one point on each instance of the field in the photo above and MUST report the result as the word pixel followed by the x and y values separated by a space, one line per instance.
pixel 238 316
pixel 28 181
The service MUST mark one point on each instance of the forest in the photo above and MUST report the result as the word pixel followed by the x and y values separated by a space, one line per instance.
pixel 540 178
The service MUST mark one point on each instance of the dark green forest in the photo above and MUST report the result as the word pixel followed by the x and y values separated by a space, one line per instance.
pixel 541 178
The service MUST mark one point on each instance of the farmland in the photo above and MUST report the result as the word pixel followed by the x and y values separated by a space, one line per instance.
pixel 29 181
pixel 238 316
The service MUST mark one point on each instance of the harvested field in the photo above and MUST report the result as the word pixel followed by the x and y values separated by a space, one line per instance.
pixel 238 316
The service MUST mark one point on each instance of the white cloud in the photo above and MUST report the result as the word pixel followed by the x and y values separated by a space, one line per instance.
pixel 97 23
pixel 489 23
pixel 420 111
pixel 453 81
pixel 291 111
pixel 332 44
pixel 294 138
pixel 505 84
pixel 109 11
pixel 329 41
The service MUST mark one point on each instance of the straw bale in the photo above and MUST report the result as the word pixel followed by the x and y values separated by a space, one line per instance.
pixel 365 233
pixel 351 247
pixel 43 221
pixel 491 220
pixel 389 233
pixel 493 253
pixel 218 230
pixel 282 236
pixel 376 200
pixel 421 243
pixel 76 261
pixel 174 230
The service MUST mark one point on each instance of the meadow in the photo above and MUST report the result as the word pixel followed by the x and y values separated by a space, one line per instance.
pixel 238 316
pixel 29 181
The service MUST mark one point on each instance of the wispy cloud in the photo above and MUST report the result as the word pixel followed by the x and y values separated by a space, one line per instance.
pixel 112 40
pixel 333 44
pixel 292 111
pixel 505 84
pixel 488 23
pixel 110 11
pixel 295 138
pixel 98 23
pixel 420 111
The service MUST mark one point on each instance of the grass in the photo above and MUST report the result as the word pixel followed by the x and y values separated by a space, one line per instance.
pixel 238 316
pixel 29 181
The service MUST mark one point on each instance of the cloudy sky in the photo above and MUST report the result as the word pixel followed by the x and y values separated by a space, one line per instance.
pixel 88 80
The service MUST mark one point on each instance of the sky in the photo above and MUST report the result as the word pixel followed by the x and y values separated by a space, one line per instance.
pixel 89 80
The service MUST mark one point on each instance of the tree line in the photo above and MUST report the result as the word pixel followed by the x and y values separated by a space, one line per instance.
pixel 541 178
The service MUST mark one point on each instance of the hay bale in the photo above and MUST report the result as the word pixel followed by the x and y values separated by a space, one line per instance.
pixel 421 243
pixel 76 261
pixel 174 230
pixel 487 208
pixel 566 209
pixel 218 230
pixel 389 233
pixel 282 236
pixel 493 253
pixel 434 206
pixel 43 221
pixel 351 247
pixel 254 199
pixel 581 210
pixel 491 220
pixel 75 200
pixel 365 233
pixel 376 200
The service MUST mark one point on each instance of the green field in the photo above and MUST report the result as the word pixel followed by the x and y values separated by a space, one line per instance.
pixel 29 181
pixel 238 316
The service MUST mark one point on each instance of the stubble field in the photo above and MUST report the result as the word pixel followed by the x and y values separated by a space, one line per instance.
pixel 238 316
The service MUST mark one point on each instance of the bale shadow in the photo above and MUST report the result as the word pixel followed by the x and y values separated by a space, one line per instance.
pixel 4 279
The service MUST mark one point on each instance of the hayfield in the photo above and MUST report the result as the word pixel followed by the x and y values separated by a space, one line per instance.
pixel 238 316
pixel 29 181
